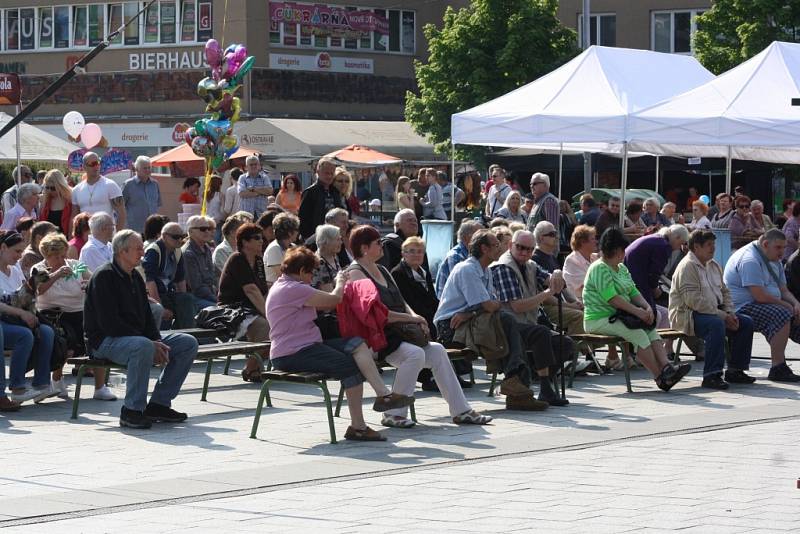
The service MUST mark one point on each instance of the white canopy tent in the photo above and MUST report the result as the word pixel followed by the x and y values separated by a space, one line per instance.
pixel 35 144
pixel 745 113
pixel 583 105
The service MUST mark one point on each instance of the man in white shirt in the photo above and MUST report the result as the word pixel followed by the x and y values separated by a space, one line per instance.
pixel 27 200
pixel 98 193
pixel 498 192
pixel 97 250
pixel 20 175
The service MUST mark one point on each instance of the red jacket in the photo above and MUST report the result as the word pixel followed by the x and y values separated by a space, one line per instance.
pixel 361 313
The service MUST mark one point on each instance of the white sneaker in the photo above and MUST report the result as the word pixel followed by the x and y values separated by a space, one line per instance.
pixel 104 393
pixel 46 393
pixel 26 395
pixel 60 387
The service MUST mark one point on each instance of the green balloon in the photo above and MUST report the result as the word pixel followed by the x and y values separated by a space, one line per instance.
pixel 200 127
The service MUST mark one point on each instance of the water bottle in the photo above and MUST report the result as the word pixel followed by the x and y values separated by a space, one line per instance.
pixel 117 381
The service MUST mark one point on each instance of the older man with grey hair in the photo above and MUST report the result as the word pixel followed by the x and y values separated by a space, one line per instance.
pixel 97 250
pixel 545 204
pixel 457 254
pixel 27 200
pixel 253 187
pixel 21 175
pixel 98 193
pixel 165 276
pixel 405 225
pixel 119 327
pixel 141 194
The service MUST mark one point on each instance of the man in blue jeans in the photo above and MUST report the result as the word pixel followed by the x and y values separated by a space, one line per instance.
pixel 119 327
pixel 700 305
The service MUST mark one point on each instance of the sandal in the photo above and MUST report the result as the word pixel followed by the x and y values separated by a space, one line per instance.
pixel 252 375
pixel 363 434
pixel 396 421
pixel 392 401
pixel 472 418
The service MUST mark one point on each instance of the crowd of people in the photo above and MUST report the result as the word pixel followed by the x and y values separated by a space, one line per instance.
pixel 95 269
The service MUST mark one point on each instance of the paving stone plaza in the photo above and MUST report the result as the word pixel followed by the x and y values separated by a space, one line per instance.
pixel 693 460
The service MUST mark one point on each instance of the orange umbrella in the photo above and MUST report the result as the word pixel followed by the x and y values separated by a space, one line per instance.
pixel 363 155
pixel 183 154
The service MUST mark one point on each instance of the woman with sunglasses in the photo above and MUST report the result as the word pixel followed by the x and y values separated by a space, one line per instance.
pixel 57 205
pixel 243 284
pixel 198 261
pixel 742 225
pixel 19 329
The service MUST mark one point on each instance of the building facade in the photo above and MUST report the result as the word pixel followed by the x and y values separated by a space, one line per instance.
pixel 659 25
pixel 350 60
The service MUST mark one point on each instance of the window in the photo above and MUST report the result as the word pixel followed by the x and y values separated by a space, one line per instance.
pixel 671 31
pixel 27 28
pixel 167 21
pixel 151 25
pixel 115 21
pixel 188 21
pixel 46 27
pixel 79 26
pixel 97 27
pixel 12 29
pixel 325 26
pixel 132 30
pixel 61 29
pixel 602 30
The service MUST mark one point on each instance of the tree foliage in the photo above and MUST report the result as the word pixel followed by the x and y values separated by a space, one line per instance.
pixel 733 31
pixel 480 53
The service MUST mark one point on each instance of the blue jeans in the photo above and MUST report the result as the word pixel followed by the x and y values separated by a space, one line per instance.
pixel 199 303
pixel 712 330
pixel 20 340
pixel 136 352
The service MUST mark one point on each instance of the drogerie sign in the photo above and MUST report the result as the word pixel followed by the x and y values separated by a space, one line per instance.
pixel 9 89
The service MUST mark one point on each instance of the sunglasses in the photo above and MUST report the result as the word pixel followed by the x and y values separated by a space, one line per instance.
pixel 178 237
pixel 537 183
pixel 203 228
pixel 746 206
pixel 50 188
pixel 523 248
pixel 550 234
pixel 95 163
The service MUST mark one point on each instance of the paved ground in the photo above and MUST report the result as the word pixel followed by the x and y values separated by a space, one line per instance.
pixel 693 460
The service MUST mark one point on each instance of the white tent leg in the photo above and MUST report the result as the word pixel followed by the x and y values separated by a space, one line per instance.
pixel 560 168
pixel 658 161
pixel 728 171
pixel 19 151
pixel 453 181
pixel 623 185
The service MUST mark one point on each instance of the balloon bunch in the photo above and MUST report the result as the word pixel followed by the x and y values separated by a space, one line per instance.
pixel 77 129
pixel 212 137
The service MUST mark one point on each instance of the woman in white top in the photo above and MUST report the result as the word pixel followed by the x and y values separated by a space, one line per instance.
pixel 512 209
pixel 699 216
pixel 584 245
pixel 60 298
pixel 404 194
pixel 286 227
pixel 17 326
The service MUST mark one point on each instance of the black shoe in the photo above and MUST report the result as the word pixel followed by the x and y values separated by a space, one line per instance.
pixel 430 385
pixel 133 419
pixel 549 396
pixel 162 414
pixel 782 373
pixel 735 376
pixel 672 375
pixel 465 384
pixel 671 357
pixel 715 381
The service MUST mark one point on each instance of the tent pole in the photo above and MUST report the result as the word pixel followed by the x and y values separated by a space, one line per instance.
pixel 19 151
pixel 453 181
pixel 623 185
pixel 560 167
pixel 658 161
pixel 728 171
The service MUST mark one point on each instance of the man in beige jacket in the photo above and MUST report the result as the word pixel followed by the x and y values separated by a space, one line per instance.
pixel 700 305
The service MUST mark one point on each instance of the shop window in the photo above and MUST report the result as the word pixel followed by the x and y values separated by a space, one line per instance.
pixel 97 27
pixel 79 26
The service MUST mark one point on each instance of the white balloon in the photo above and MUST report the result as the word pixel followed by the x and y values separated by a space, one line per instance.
pixel 73 123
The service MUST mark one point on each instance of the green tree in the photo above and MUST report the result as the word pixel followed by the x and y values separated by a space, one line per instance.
pixel 480 53
pixel 733 31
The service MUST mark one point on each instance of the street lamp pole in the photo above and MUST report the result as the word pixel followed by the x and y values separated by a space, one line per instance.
pixel 587 41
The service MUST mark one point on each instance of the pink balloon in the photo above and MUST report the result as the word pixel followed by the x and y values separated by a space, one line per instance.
pixel 239 55
pixel 91 135
pixel 213 53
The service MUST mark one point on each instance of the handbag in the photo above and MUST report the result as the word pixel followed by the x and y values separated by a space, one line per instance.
pixel 224 319
pixel 631 321
pixel 328 325
pixel 410 333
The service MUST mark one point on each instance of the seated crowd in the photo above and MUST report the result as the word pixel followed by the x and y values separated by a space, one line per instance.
pixel 337 297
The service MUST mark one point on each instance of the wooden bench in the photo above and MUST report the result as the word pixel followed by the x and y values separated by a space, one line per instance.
pixel 206 353
pixel 319 380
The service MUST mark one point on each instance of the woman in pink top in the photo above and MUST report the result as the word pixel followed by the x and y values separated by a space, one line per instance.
pixel 297 344
pixel 80 234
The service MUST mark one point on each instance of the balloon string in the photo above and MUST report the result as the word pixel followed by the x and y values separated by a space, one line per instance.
pixel 224 20
pixel 206 186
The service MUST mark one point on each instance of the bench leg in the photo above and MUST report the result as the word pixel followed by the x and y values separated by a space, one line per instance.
pixel 413 412
pixel 206 379
pixel 324 387
pixel 492 385
pixel 593 357
pixel 678 351
pixel 261 397
pixel 572 369
pixel 625 354
pixel 339 401
pixel 227 364
pixel 77 398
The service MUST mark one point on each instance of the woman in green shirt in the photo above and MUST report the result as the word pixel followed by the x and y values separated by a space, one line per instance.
pixel 608 288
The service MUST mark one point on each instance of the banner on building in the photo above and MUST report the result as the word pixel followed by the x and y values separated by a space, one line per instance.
pixel 322 62
pixel 9 89
pixel 329 21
